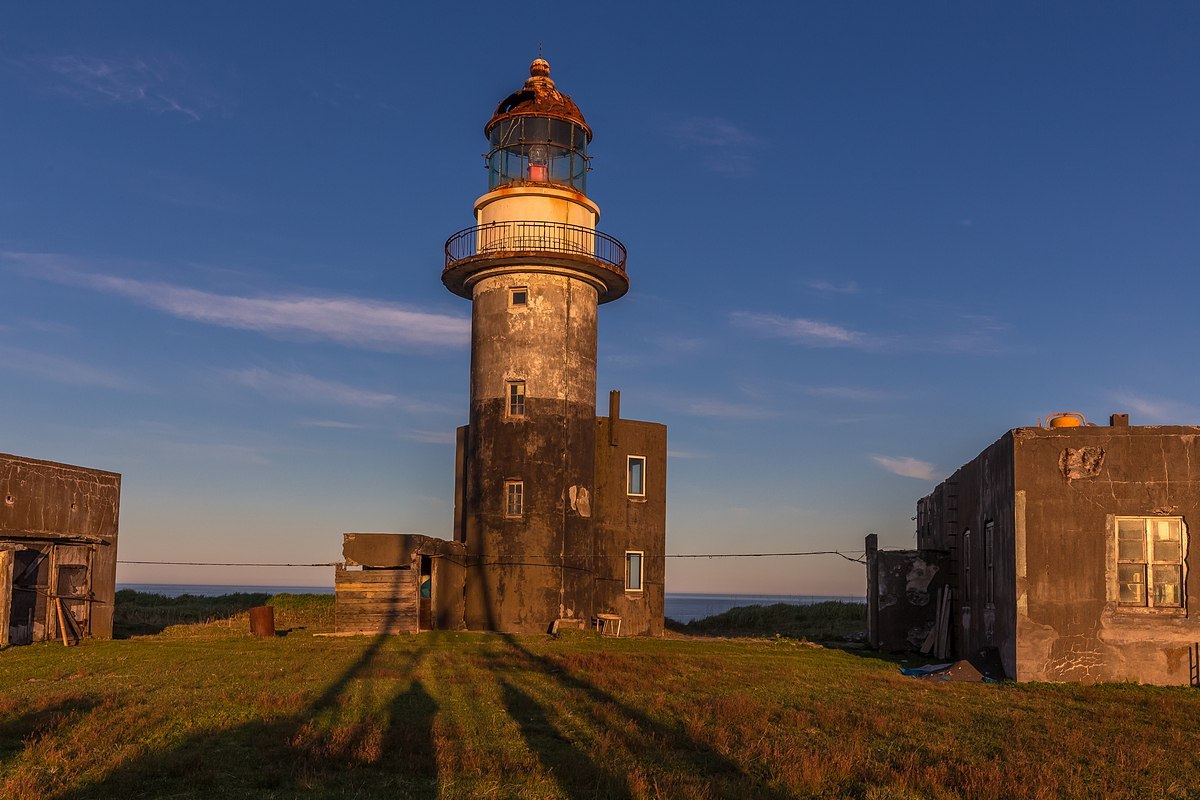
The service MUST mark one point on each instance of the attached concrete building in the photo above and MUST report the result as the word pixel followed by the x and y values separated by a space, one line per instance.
pixel 58 550
pixel 560 515
pixel 1065 548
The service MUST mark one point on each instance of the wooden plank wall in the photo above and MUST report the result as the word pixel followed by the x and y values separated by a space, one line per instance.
pixel 6 570
pixel 376 601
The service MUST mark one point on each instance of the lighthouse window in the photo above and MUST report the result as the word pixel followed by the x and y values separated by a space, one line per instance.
pixel 516 398
pixel 514 498
pixel 538 150
pixel 637 476
pixel 518 296
pixel 633 570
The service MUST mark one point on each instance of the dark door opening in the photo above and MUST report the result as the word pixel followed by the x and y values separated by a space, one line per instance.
pixel 27 614
pixel 425 595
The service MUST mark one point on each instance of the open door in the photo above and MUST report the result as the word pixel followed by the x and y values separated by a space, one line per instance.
pixel 425 594
pixel 27 612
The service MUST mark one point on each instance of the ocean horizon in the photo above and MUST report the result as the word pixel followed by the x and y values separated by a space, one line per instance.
pixel 680 606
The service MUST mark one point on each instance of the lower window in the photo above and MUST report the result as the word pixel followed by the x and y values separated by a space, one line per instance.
pixel 633 570
pixel 514 498
pixel 1150 554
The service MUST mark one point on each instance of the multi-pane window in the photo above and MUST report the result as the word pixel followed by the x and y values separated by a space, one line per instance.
pixel 633 570
pixel 1150 561
pixel 516 398
pixel 514 498
pixel 989 565
pixel 636 485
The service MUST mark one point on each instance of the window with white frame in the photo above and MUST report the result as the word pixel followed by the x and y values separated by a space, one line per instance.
pixel 516 398
pixel 989 564
pixel 633 570
pixel 518 296
pixel 514 498
pixel 636 484
pixel 1150 553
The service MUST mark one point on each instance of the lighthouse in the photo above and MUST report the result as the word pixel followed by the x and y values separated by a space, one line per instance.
pixel 536 269
pixel 559 514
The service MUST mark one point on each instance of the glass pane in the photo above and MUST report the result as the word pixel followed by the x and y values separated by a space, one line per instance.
pixel 1132 581
pixel 1164 530
pixel 633 570
pixel 1167 586
pixel 1168 552
pixel 1131 529
pixel 1131 551
pixel 637 468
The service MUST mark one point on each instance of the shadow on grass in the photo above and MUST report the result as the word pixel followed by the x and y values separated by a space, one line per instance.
pixel 312 750
pixel 31 725
pixel 722 775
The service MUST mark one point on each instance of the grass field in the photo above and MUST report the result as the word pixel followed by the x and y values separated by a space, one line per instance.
pixel 202 710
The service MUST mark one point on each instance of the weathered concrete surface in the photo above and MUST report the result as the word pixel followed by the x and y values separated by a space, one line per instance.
pixel 624 523
pixel 70 514
pixel 904 587
pixel 1053 496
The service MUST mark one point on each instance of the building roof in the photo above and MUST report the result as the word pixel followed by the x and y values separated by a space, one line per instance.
pixel 538 97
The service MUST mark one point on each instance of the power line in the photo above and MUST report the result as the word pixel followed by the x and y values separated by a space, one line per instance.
pixel 856 558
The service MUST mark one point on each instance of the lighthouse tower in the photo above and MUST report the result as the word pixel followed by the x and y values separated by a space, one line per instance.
pixel 535 269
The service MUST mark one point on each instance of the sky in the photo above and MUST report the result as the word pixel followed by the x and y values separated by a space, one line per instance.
pixel 865 240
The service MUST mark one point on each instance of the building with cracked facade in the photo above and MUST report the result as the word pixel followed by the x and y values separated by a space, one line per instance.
pixel 1066 548
pixel 58 550
pixel 559 515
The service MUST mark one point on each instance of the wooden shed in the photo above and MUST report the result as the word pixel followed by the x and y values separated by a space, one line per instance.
pixel 399 583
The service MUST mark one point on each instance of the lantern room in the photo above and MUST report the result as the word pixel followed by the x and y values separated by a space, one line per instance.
pixel 538 135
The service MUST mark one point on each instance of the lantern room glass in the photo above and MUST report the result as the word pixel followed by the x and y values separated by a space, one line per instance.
pixel 534 149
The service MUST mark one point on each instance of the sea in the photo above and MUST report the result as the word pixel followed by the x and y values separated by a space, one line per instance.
pixel 680 606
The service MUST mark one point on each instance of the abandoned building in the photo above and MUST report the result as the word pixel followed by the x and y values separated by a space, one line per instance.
pixel 58 550
pixel 1065 547
pixel 559 515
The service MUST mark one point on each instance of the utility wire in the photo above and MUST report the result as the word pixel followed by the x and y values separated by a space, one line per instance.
pixel 856 558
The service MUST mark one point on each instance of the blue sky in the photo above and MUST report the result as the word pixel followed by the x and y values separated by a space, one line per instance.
pixel 865 240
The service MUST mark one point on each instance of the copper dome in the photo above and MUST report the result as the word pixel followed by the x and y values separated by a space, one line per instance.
pixel 538 98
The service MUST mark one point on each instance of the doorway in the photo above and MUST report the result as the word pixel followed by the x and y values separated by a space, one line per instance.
pixel 425 595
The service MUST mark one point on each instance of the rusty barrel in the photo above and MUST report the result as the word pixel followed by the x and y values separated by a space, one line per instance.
pixel 262 621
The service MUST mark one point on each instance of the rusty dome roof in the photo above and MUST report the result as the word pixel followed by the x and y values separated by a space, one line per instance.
pixel 538 98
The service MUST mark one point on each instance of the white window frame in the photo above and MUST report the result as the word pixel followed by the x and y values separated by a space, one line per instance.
pixel 508 398
pixel 1147 564
pixel 641 554
pixel 512 296
pixel 509 486
pixel 629 476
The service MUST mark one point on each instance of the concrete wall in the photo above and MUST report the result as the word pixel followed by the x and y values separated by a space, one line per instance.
pixel 524 573
pixel 68 511
pixel 902 592
pixel 545 203
pixel 1070 484
pixel 630 523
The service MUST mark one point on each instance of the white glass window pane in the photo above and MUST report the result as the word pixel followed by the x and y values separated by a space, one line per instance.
pixel 637 477
pixel 1132 581
pixel 1167 586
pixel 633 571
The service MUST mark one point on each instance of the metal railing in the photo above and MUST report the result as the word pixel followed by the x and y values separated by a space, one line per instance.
pixel 530 236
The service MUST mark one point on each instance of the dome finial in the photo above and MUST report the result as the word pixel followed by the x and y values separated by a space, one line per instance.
pixel 540 68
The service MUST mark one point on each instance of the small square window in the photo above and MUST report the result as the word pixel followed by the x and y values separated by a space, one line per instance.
pixel 516 398
pixel 518 296
pixel 633 570
pixel 636 484
pixel 514 498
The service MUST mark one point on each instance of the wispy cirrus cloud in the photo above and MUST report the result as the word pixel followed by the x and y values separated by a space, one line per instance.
pixel 351 321
pixel 1157 409
pixel 850 393
pixel 850 287
pixel 59 369
pixel 430 437
pixel 800 330
pixel 907 467
pixel 702 407
pixel 332 424
pixel 156 84
pixel 723 146
pixel 303 388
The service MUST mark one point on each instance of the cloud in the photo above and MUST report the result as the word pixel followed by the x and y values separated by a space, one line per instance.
pixel 430 437
pixel 330 423
pixel 153 84
pixel 302 388
pixel 724 147
pixel 800 330
pixel 60 370
pixel 1157 410
pixel 685 454
pixel 721 408
pixel 847 393
pixel 351 321
pixel 907 467
pixel 850 287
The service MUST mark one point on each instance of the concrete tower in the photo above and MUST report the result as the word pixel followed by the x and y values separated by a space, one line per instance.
pixel 535 269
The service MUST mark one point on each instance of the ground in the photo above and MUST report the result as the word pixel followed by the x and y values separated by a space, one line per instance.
pixel 203 710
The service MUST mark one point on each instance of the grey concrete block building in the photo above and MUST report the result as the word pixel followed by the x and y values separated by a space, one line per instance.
pixel 1068 549
pixel 560 514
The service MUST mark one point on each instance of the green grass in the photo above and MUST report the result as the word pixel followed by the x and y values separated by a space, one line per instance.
pixel 145 612
pixel 205 711
pixel 832 620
